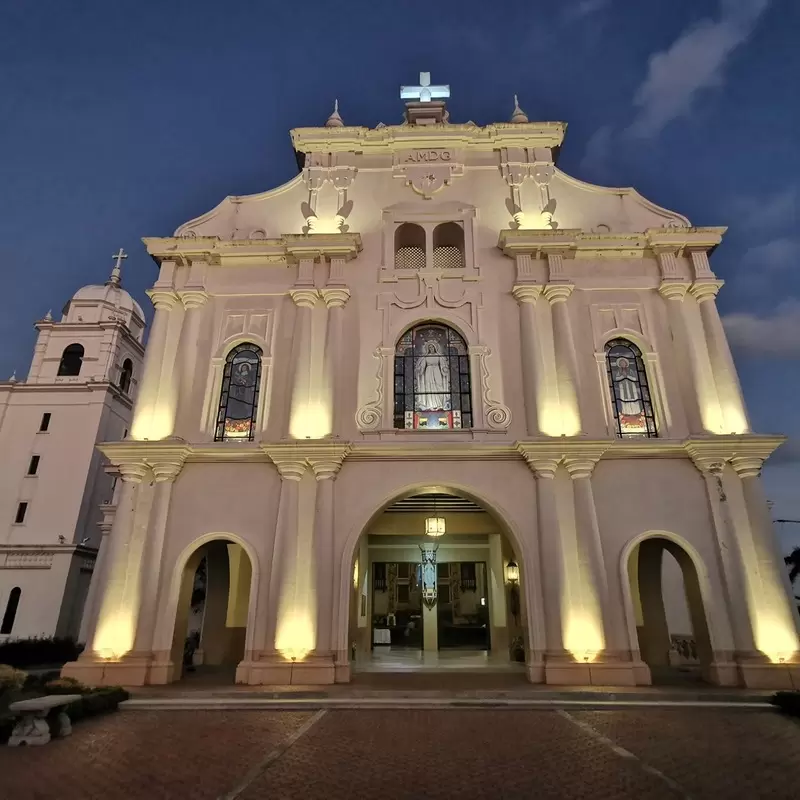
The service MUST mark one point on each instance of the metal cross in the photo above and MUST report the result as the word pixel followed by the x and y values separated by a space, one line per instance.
pixel 424 92
pixel 119 256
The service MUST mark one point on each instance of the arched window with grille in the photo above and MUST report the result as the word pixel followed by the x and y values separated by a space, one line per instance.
pixel 71 361
pixel 11 610
pixel 630 392
pixel 448 246
pixel 238 402
pixel 125 376
pixel 431 379
pixel 409 246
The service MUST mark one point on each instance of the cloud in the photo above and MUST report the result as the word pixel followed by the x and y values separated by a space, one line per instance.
pixel 775 254
pixel 696 60
pixel 779 210
pixel 584 8
pixel 596 157
pixel 776 335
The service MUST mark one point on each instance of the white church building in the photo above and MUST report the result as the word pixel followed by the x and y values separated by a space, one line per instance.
pixel 430 399
pixel 55 495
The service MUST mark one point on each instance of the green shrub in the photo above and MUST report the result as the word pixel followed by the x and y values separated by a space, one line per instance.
pixel 32 652
pixel 788 702
pixel 66 686
pixel 11 679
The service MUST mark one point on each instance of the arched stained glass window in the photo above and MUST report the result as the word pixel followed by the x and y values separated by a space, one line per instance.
pixel 431 379
pixel 238 402
pixel 630 392
pixel 71 361
pixel 11 610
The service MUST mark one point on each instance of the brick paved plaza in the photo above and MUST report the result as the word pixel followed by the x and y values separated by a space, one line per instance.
pixel 642 753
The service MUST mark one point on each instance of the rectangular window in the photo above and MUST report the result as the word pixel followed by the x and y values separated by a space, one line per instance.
pixel 22 510
pixel 45 423
pixel 33 467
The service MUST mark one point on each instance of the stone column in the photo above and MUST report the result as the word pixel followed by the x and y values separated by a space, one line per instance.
pixel 99 576
pixel 113 636
pixel 146 424
pixel 497 598
pixel 165 474
pixel 304 422
pixel 193 302
pixel 775 616
pixel 550 547
pixel 533 378
pixel 335 301
pixel 608 612
pixel 325 474
pixel 697 389
pixel 729 391
pixel 291 472
pixel 566 366
pixel 730 559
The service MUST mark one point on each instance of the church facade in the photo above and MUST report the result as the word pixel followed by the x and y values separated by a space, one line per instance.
pixel 435 391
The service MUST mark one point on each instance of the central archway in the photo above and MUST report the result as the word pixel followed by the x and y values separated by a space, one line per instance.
pixel 480 618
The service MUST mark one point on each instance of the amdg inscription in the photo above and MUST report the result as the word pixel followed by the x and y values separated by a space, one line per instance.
pixel 427 156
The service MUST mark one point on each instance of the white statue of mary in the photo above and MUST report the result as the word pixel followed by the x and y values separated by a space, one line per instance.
pixel 432 379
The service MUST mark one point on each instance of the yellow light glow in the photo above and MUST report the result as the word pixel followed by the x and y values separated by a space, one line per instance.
pixel 296 636
pixel 776 639
pixel 152 426
pixel 583 637
pixel 355 574
pixel 115 636
pixel 735 421
pixel 558 420
pixel 435 527
pixel 310 421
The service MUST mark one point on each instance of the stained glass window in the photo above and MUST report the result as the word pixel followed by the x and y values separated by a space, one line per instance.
pixel 630 392
pixel 238 402
pixel 431 379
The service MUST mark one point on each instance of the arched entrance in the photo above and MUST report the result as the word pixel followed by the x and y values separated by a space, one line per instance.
pixel 671 622
pixel 212 611
pixel 425 600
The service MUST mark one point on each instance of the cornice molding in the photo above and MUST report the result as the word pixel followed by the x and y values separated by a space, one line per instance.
pixel 392 138
pixel 288 249
pixel 575 243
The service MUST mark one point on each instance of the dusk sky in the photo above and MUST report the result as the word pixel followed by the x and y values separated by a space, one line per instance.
pixel 124 119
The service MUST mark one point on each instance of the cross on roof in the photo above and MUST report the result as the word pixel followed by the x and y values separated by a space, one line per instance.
pixel 119 256
pixel 424 93
pixel 116 273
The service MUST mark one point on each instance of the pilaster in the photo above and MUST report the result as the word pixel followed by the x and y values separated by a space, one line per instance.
pixel 566 365
pixel 533 377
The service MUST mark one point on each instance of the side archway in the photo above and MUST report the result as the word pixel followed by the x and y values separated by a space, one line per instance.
pixel 651 608
pixel 210 615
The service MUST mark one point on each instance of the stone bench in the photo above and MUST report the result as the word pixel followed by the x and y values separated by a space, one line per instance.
pixel 33 726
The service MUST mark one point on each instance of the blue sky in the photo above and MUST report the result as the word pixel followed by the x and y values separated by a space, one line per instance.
pixel 122 120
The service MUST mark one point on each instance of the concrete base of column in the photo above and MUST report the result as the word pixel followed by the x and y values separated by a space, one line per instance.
pixel 535 671
pixel 132 670
pixel 561 669
pixel 770 676
pixel 274 669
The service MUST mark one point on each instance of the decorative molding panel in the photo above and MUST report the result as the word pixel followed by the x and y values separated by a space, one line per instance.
pixel 25 560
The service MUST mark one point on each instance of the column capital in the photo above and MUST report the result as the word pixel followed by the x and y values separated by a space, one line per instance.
pixel 304 298
pixel 193 298
pixel 166 471
pixel 747 466
pixel 706 289
pixel 335 297
pixel 133 471
pixel 526 292
pixel 290 469
pixel 580 467
pixel 558 292
pixel 326 469
pixel 709 465
pixel 543 467
pixel 163 298
pixel 673 289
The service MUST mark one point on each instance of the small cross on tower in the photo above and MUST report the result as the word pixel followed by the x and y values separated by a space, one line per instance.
pixel 424 93
pixel 116 273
